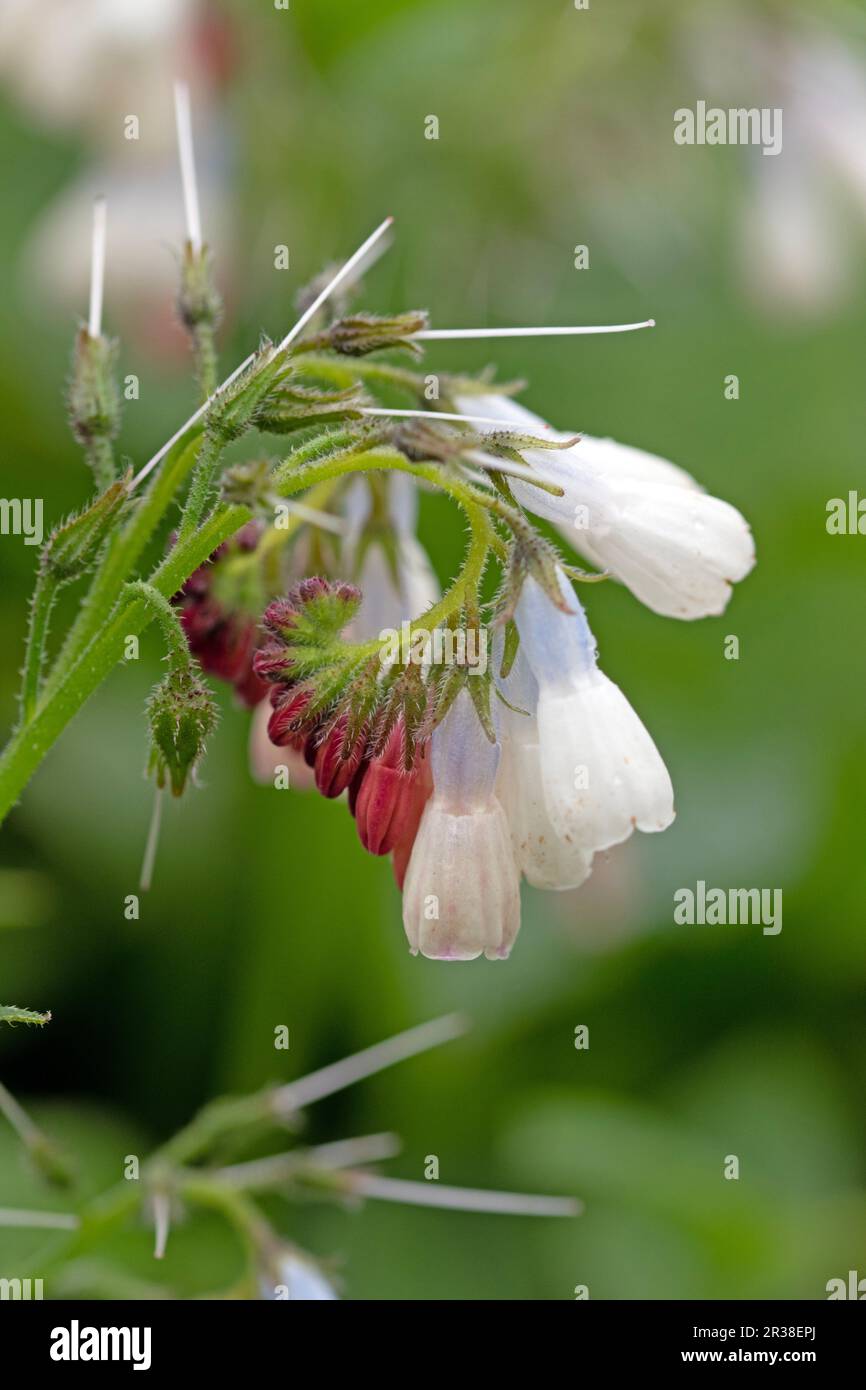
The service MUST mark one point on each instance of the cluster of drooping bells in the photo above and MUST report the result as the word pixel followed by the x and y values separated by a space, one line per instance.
pixel 573 770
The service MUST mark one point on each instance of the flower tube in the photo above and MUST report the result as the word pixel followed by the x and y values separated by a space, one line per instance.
pixel 546 859
pixel 602 775
pixel 461 895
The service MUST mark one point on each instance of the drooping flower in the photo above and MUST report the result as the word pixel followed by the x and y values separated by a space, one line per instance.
pixel 461 895
pixel 386 799
pixel 398 583
pixel 546 858
pixel 602 775
pixel 646 521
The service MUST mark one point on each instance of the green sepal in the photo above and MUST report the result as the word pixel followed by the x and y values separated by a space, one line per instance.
pixel 358 334
pixel 93 397
pixel 74 544
pixel 182 716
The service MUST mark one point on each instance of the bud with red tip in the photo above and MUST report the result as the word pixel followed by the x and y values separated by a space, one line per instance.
pixel 385 800
pixel 337 757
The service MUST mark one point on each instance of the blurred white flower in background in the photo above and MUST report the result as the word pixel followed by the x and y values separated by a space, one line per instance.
pixel 396 586
pixel 798 221
pixel 78 62
pixel 92 65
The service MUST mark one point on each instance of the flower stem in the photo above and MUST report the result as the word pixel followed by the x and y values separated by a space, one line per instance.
pixel 205 358
pixel 29 745
pixel 201 485
pixel 122 554
pixel 100 457
pixel 40 616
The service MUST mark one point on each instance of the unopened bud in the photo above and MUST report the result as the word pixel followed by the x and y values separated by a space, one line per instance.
pixel 94 401
pixel 359 334
pixel 74 544
pixel 182 717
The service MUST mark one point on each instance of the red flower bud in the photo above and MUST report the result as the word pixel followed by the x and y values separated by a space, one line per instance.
pixel 288 724
pixel 336 764
pixel 385 802
pixel 271 662
pixel 422 786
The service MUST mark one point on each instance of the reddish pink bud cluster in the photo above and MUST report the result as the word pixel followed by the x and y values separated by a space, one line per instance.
pixel 386 799
pixel 225 643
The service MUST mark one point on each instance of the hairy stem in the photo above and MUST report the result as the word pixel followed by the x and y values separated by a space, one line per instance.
pixel 201 486
pixel 205 358
pixel 100 457
pixel 122 554
pixel 27 748
pixel 40 616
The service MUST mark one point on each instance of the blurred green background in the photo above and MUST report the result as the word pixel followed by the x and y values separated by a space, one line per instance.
pixel 555 130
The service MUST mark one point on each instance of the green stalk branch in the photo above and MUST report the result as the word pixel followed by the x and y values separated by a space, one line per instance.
pixel 27 748
pixel 44 596
pixel 201 487
pixel 123 552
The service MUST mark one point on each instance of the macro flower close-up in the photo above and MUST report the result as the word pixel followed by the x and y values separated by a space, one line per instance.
pixel 430 526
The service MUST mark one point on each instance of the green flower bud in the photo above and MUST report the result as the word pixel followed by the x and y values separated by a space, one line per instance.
pixel 182 717
pixel 73 546
pixel 198 302
pixel 94 400
pixel 359 334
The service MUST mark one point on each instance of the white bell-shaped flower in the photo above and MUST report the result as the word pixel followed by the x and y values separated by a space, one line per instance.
pixel 677 549
pixel 546 859
pixel 461 895
pixel 602 775
pixel 394 593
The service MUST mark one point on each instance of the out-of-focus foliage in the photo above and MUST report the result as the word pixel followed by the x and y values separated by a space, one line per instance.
pixel 555 130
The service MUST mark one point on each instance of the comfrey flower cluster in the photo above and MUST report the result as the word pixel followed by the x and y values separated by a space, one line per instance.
pixel 472 779
pixel 300 580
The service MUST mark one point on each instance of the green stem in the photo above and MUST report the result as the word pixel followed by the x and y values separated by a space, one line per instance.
pixel 205 358
pixel 348 371
pixel 29 745
pixel 201 486
pixel 179 655
pixel 40 616
pixel 122 554
pixel 471 499
pixel 100 457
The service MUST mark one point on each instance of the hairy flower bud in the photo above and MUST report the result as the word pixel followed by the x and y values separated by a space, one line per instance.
pixel 337 759
pixel 94 401
pixel 181 715
pixel 358 334
pixel 73 545
pixel 384 800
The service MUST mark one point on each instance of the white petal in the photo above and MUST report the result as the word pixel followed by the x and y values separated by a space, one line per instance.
pixel 545 859
pixel 461 896
pixel 678 549
pixel 603 775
